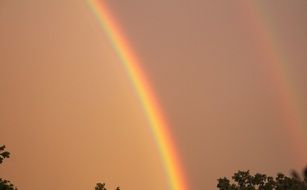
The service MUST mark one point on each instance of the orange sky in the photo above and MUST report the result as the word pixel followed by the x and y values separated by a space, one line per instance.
pixel 70 116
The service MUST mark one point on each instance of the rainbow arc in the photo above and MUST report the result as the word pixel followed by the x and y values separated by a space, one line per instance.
pixel 278 74
pixel 158 124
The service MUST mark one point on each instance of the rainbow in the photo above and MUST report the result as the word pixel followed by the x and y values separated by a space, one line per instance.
pixel 158 124
pixel 279 76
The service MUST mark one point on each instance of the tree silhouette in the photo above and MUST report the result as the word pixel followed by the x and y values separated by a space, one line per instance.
pixel 243 180
pixel 5 184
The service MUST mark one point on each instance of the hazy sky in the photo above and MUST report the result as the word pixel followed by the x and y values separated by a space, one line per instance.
pixel 70 116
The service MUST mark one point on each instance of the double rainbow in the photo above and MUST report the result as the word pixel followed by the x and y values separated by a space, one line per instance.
pixel 278 75
pixel 158 124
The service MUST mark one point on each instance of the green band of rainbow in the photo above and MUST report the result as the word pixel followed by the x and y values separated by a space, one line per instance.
pixel 152 109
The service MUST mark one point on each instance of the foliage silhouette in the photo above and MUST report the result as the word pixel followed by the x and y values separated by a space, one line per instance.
pixel 101 186
pixel 5 184
pixel 3 154
pixel 243 180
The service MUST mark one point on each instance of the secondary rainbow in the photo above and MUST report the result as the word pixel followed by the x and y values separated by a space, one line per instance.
pixel 158 124
pixel 279 75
